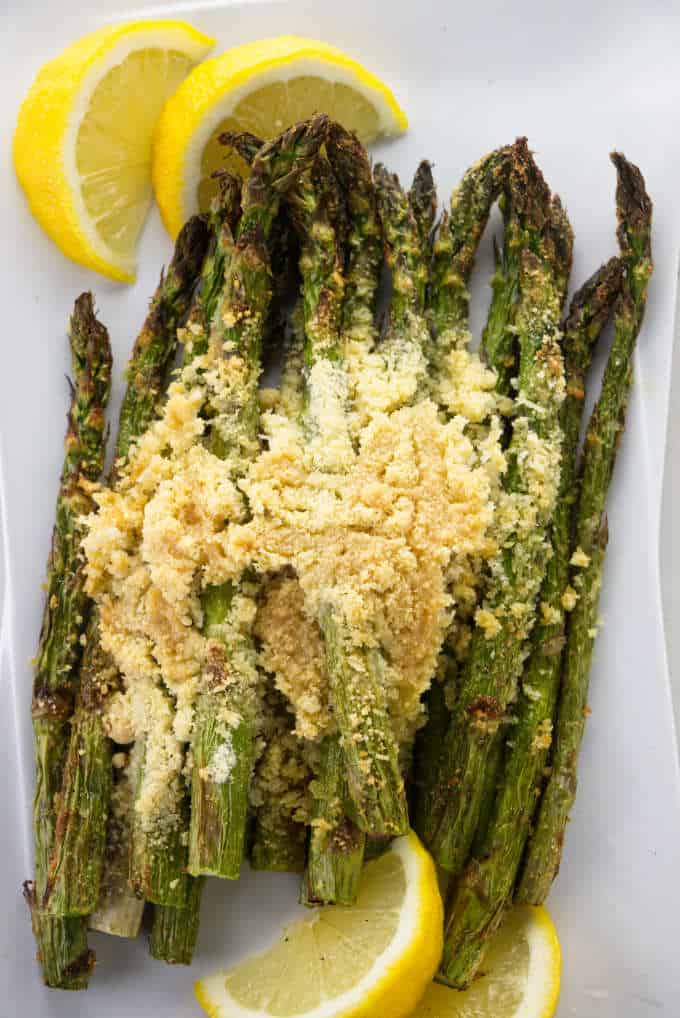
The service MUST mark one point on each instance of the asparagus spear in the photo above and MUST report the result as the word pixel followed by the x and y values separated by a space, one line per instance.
pixel 423 201
pixel 455 247
pixel 448 311
pixel 227 709
pixel 404 257
pixel 157 859
pixel 330 876
pixel 486 885
pixel 634 213
pixel 355 671
pixel 499 642
pixel 246 144
pixel 175 930
pixel 62 942
pixel 77 856
pixel 559 240
pixel 155 345
pixel 364 238
pixel 438 703
pixel 225 209
pixel 336 844
pixel 472 201
pixel 282 774
pixel 498 345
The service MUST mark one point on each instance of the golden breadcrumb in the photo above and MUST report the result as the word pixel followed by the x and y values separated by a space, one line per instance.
pixel 291 651
pixel 386 511
pixel 580 559
pixel 376 540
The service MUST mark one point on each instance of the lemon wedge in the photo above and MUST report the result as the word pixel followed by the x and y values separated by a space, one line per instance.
pixel 520 978
pixel 82 145
pixel 373 960
pixel 262 87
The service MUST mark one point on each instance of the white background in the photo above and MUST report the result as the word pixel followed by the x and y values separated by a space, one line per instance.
pixel 579 79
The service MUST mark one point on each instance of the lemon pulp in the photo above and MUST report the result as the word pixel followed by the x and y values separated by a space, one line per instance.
pixel 113 146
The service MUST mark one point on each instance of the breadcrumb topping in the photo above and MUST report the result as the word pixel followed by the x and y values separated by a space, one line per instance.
pixel 291 651
pixel 375 541
pixel 580 559
pixel 386 512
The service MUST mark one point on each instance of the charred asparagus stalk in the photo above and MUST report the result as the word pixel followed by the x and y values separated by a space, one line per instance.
pixel 77 856
pixel 175 928
pixel 355 671
pixel 330 876
pixel 454 252
pixel 422 198
pixel 336 844
pixel 62 941
pixel 229 690
pixel 634 213
pixel 499 642
pixel 485 887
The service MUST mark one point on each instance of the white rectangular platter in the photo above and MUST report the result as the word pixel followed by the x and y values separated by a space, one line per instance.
pixel 579 79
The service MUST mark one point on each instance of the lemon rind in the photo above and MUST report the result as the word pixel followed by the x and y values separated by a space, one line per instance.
pixel 545 960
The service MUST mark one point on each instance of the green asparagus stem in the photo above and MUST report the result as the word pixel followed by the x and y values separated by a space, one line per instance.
pixel 447 304
pixel 155 345
pixel 175 930
pixel 225 211
pixel 62 943
pixel 281 774
pixel 336 845
pixel 335 851
pixel 355 671
pixel 77 857
pixel 219 807
pixel 499 345
pixel 119 911
pixel 634 213
pixel 63 953
pixel 331 876
pixel 283 252
pixel 158 852
pixel 404 257
pixel 486 885
pixel 364 238
pixel 430 739
pixel 499 642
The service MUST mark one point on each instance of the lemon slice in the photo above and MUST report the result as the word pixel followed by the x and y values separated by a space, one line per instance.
pixel 521 974
pixel 374 959
pixel 82 146
pixel 261 87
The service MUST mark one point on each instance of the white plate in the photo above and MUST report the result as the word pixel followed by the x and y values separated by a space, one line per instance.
pixel 578 81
